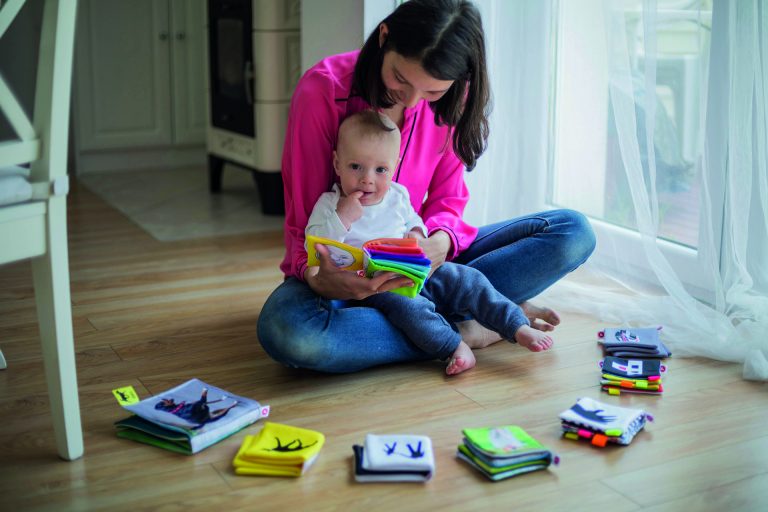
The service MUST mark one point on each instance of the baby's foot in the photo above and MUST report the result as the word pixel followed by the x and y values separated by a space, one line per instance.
pixel 462 360
pixel 533 339
pixel 541 318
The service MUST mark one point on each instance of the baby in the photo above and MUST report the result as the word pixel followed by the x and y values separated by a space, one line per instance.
pixel 366 204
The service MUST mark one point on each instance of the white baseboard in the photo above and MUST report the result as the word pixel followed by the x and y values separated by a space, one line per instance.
pixel 140 159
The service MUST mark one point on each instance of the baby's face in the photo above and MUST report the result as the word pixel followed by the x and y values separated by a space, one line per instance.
pixel 366 164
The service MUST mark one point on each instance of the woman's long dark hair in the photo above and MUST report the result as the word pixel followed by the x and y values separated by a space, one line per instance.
pixel 446 37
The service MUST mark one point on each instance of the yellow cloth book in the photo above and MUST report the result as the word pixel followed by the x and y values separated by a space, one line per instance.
pixel 278 450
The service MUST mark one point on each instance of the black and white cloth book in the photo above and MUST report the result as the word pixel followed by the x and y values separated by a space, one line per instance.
pixel 394 457
pixel 619 424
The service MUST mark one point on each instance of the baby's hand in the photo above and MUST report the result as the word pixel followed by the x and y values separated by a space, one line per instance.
pixel 349 208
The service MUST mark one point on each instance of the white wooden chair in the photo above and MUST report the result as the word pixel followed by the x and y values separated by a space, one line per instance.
pixel 36 228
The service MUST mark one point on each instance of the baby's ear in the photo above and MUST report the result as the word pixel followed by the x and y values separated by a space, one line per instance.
pixel 336 163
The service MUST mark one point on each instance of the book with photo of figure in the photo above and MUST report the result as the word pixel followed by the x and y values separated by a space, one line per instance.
pixel 189 417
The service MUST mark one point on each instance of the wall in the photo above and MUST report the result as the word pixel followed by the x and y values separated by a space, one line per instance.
pixel 337 26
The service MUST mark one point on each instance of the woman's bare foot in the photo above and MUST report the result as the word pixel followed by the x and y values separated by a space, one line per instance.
pixel 541 318
pixel 462 360
pixel 533 339
pixel 475 335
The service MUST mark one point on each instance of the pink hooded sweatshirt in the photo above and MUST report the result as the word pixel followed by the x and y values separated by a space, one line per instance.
pixel 428 167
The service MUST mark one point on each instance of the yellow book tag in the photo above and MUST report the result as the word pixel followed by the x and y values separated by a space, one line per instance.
pixel 126 395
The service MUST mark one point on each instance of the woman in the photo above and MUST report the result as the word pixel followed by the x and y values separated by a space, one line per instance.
pixel 424 67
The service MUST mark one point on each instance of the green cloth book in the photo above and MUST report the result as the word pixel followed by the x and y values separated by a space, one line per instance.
pixel 499 473
pixel 503 452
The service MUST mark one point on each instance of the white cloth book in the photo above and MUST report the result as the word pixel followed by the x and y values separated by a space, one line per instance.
pixel 397 452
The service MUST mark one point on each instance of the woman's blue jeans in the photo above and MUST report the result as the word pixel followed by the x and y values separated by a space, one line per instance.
pixel 520 257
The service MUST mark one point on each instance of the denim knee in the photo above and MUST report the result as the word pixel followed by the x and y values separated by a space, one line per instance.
pixel 581 239
pixel 290 343
pixel 284 331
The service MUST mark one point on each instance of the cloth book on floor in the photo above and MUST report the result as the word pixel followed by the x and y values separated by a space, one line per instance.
pixel 503 452
pixel 278 450
pixel 400 255
pixel 394 458
pixel 602 423
pixel 631 376
pixel 632 342
pixel 189 417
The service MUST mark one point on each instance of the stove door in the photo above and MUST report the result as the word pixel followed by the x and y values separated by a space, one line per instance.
pixel 230 56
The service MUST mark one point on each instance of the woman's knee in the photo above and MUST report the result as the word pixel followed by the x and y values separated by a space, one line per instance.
pixel 286 333
pixel 580 239
pixel 291 342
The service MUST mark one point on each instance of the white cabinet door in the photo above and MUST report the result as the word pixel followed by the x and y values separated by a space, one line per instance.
pixel 188 54
pixel 123 74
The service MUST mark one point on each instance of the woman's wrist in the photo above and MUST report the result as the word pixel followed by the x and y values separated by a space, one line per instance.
pixel 444 241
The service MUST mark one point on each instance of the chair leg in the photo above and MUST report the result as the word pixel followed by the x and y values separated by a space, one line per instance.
pixel 3 364
pixel 54 310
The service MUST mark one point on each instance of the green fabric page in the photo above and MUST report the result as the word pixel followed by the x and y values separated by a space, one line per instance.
pixel 505 441
pixel 520 467
pixel 138 429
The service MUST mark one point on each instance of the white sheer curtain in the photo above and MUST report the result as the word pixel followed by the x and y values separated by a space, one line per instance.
pixel 507 181
pixel 732 164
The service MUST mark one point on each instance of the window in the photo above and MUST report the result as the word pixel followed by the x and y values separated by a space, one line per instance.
pixel 586 166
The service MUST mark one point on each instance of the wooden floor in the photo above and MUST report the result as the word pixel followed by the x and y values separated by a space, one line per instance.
pixel 153 314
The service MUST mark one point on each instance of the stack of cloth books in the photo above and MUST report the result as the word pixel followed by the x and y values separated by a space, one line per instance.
pixel 394 458
pixel 632 376
pixel 503 452
pixel 278 450
pixel 601 423
pixel 633 342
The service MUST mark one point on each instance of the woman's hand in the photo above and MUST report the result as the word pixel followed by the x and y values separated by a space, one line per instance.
pixel 435 247
pixel 331 282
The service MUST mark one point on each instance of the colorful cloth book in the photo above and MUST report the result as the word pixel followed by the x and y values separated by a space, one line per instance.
pixel 632 376
pixel 633 342
pixel 602 423
pixel 503 452
pixel 189 417
pixel 394 458
pixel 278 450
pixel 400 255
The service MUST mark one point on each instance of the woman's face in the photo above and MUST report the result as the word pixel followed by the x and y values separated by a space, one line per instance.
pixel 408 83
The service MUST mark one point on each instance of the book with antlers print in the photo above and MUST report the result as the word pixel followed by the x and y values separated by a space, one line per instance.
pixel 278 450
